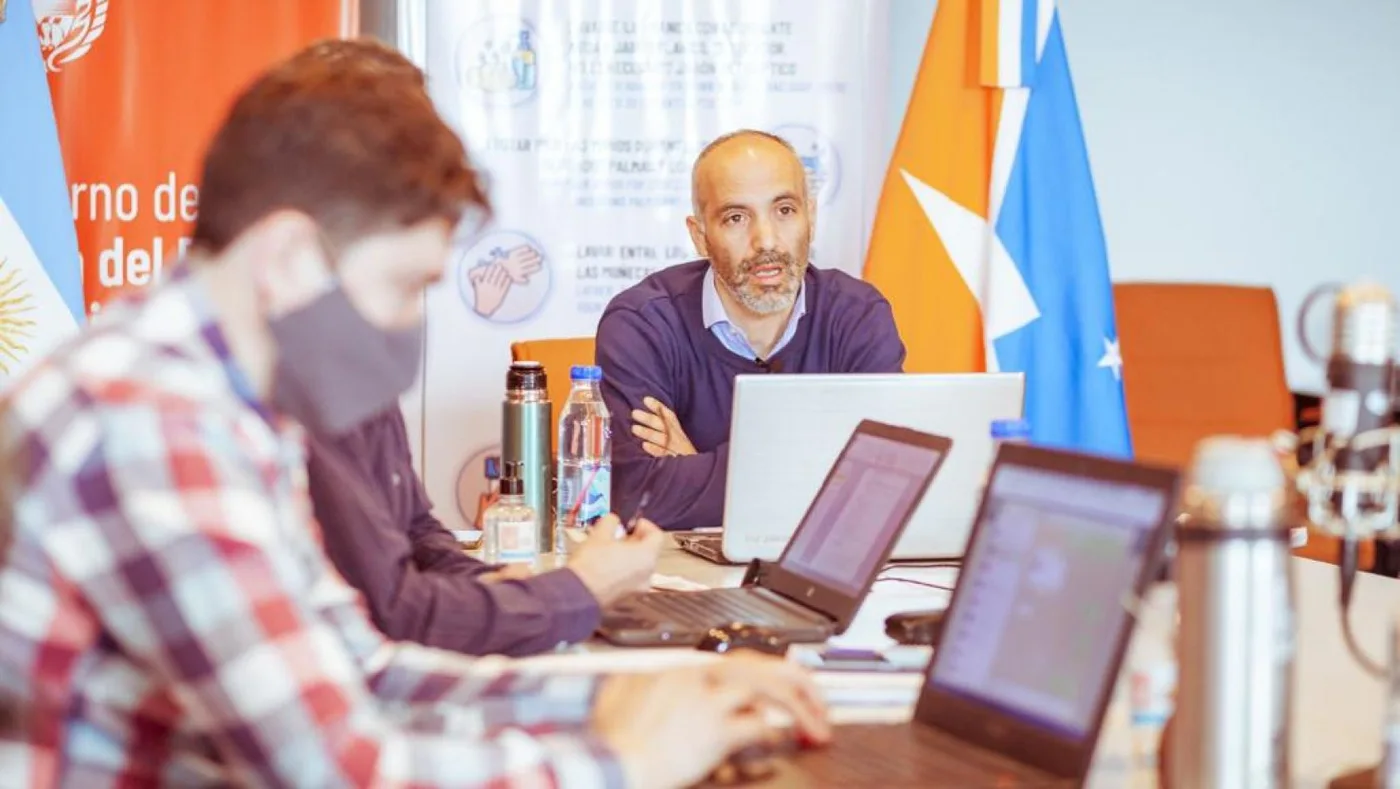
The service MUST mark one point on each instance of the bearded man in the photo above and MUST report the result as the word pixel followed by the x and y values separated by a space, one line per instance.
pixel 671 345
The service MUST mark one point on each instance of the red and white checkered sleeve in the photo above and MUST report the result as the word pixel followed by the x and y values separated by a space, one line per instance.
pixel 210 575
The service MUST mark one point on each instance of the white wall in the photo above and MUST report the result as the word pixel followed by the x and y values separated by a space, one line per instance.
pixel 1248 141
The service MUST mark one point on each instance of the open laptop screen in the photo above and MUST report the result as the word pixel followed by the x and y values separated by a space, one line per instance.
pixel 855 517
pixel 1035 629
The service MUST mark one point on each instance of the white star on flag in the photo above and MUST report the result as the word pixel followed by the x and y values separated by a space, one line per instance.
pixel 1112 359
pixel 983 262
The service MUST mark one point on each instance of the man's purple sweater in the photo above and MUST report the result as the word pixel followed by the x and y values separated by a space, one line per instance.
pixel 652 341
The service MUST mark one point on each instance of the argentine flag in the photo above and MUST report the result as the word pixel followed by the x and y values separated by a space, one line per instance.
pixel 41 298
pixel 987 240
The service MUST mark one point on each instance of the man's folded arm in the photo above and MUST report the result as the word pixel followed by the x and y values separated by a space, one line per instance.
pixel 687 492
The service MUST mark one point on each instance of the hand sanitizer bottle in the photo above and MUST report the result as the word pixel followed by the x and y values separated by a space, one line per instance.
pixel 511 525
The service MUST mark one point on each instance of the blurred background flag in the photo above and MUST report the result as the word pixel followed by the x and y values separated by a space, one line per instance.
pixel 987 239
pixel 41 292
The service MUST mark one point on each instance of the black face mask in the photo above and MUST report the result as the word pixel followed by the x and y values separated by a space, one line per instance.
pixel 335 369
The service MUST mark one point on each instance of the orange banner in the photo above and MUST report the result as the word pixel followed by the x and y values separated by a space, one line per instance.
pixel 138 88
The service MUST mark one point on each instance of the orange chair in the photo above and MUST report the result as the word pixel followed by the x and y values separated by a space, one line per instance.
pixel 1202 360
pixel 557 356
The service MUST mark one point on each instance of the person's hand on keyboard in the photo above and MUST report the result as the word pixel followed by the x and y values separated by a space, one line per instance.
pixel 674 728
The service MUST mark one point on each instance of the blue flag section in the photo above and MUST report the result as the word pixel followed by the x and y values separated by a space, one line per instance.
pixel 1049 224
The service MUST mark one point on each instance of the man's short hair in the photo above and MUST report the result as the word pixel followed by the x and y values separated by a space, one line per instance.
pixel 721 140
pixel 344 132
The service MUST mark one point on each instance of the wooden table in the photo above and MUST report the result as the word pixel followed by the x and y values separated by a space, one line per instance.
pixel 1337 705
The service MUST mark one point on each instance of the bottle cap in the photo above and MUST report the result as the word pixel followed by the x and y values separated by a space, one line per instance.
pixel 1011 429
pixel 493 467
pixel 585 372
pixel 511 482
pixel 526 377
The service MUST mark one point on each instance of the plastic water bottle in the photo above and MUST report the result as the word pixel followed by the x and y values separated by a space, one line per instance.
pixel 511 527
pixel 585 459
pixel 1009 431
pixel 1003 431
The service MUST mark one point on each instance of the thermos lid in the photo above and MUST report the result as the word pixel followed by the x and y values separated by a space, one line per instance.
pixel 1237 483
pixel 511 482
pixel 526 376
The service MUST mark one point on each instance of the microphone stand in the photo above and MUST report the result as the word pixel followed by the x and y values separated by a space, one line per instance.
pixel 1387 560
pixel 1387 555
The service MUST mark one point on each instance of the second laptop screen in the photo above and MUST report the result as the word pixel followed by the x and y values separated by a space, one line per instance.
pixel 872 490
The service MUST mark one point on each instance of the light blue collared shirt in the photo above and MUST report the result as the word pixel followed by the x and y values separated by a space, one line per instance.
pixel 717 319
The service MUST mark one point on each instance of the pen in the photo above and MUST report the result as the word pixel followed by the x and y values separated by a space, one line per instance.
pixel 631 524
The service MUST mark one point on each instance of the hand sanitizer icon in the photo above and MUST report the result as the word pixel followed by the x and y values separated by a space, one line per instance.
pixel 523 63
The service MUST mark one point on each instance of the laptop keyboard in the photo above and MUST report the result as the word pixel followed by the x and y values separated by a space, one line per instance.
pixel 714 607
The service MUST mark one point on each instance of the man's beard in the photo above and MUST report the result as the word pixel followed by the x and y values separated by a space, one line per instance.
pixel 765 299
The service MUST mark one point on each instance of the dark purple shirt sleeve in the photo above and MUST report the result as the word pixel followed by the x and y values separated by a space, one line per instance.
pixel 418 585
pixel 687 492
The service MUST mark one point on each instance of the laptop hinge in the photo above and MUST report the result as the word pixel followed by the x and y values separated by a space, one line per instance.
pixel 757 573
pixel 802 608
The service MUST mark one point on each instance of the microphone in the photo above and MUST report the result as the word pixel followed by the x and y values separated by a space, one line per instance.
pixel 1351 481
pixel 768 365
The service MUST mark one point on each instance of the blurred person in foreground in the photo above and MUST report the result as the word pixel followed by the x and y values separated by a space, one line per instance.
pixel 671 345
pixel 167 614
pixel 382 536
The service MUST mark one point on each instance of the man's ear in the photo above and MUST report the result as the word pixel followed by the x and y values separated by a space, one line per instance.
pixel 289 261
pixel 697 236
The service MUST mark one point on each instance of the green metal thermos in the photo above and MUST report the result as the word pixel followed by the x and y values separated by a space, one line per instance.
pixel 526 427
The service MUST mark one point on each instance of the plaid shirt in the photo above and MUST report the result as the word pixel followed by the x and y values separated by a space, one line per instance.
pixel 167 614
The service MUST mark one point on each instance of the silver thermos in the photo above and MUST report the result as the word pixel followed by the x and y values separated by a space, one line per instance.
pixel 1235 637
pixel 526 427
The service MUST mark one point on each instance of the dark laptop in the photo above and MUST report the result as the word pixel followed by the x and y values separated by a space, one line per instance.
pixel 1017 689
pixel 816 586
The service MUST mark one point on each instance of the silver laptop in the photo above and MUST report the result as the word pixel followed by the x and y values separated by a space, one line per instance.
pixel 788 429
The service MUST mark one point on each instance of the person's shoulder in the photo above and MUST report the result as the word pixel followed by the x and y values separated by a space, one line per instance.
pixel 660 290
pixel 103 365
pixel 838 290
pixel 656 303
pixel 381 440
pixel 118 380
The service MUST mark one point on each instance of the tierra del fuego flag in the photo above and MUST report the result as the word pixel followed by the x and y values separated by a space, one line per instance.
pixel 987 240
pixel 41 298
